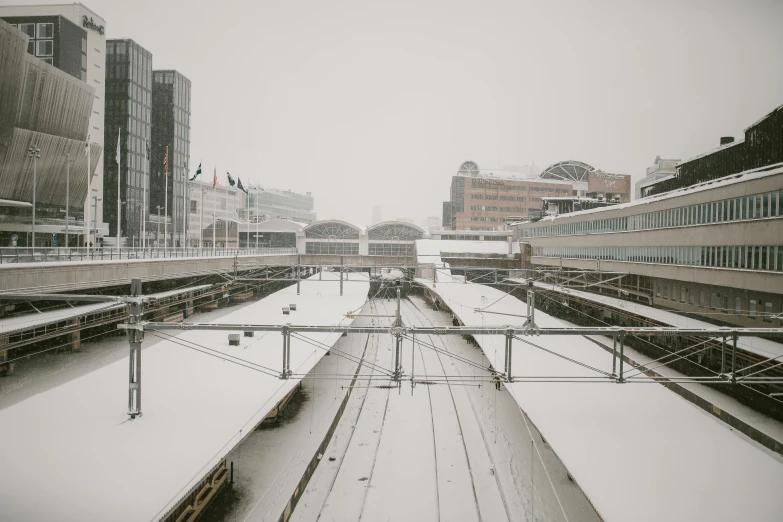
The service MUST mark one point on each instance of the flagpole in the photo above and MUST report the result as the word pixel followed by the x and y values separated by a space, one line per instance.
pixel 201 222
pixel 256 220
pixel 185 203
pixel 89 196
pixel 247 209
pixel 166 214
pixel 119 201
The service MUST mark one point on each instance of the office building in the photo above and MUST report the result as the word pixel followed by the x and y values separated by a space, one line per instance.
pixel 65 48
pixel 128 113
pixel 33 96
pixel 661 169
pixel 170 141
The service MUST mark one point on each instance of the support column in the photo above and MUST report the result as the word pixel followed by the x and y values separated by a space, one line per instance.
pixel 135 338
pixel 341 281
pixel 723 356
pixel 614 355
pixel 509 346
pixel 75 338
pixel 622 349
pixel 286 373
pixel 734 337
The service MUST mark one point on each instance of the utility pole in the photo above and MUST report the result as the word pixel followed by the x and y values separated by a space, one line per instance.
pixel 256 220
pixel 213 231
pixel 67 195
pixel 119 203
pixel 89 191
pixel 35 153
pixel 94 218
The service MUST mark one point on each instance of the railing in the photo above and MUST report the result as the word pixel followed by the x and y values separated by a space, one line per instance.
pixel 48 255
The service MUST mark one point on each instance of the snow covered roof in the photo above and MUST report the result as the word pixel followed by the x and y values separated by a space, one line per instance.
pixel 637 451
pixel 196 409
pixel 763 118
pixel 713 151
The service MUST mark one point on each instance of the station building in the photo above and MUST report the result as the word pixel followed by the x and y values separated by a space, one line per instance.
pixel 713 249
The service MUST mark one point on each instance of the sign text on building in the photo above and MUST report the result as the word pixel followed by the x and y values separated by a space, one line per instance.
pixel 89 23
pixel 488 181
pixel 607 175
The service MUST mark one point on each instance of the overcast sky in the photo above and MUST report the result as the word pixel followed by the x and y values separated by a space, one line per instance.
pixel 365 103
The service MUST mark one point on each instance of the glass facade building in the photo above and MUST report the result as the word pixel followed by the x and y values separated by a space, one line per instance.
pixel 170 130
pixel 128 111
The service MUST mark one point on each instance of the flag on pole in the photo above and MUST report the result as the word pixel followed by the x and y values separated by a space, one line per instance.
pixel 214 178
pixel 230 179
pixel 117 157
pixel 166 161
pixel 198 172
pixel 240 187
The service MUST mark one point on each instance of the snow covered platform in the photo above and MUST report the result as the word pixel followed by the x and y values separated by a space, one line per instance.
pixel 71 453
pixel 638 451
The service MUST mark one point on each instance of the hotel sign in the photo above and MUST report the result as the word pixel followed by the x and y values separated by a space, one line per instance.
pixel 89 23
pixel 607 175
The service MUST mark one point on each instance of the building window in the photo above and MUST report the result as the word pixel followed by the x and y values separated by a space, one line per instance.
pixel 725 303
pixel 193 205
pixel 713 300
pixel 45 31
pixel 658 290
pixel 28 29
pixel 665 291
pixel 31 47
pixel 701 298
pixel 768 312
pixel 44 48
pixel 752 309
pixel 47 60
pixel 682 294
pixel 674 292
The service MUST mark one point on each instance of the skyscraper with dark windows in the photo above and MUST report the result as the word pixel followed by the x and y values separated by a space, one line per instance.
pixel 170 132
pixel 129 114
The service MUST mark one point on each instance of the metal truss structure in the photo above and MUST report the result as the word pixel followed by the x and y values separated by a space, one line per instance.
pixel 399 330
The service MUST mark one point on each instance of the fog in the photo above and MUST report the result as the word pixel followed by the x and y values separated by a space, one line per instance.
pixel 369 103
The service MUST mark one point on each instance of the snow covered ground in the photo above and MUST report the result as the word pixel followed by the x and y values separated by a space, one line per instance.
pixel 70 453
pixel 640 452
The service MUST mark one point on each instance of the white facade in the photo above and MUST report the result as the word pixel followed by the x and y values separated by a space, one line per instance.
pixel 661 169
pixel 96 73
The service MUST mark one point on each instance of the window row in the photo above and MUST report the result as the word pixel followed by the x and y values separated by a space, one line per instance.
pixel 756 206
pixel 42 30
pixel 765 257
pixel 512 198
pixel 715 301
pixel 483 207
pixel 483 218
pixel 390 249
pixel 328 247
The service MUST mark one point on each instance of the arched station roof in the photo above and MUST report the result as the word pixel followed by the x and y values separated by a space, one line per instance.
pixel 332 229
pixel 395 231
pixel 570 170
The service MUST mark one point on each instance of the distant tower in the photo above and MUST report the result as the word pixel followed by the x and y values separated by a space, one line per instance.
pixel 376 214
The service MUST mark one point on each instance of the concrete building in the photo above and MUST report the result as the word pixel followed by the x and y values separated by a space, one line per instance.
pixel 129 113
pixel 48 112
pixel 661 169
pixel 170 141
pixel 92 61
pixel 271 203
pixel 712 249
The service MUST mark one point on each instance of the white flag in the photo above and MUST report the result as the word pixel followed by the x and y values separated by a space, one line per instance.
pixel 117 158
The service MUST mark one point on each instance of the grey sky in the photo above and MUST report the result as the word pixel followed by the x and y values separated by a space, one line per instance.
pixel 367 103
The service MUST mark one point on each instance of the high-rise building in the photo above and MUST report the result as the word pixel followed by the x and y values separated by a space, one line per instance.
pixel 65 49
pixel 128 113
pixel 170 141
pixel 33 96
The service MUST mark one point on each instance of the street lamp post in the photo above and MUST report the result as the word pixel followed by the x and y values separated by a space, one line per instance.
pixel 67 196
pixel 95 199
pixel 35 153
pixel 157 232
